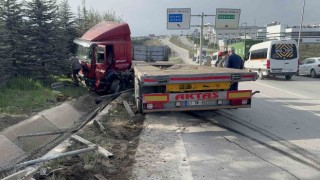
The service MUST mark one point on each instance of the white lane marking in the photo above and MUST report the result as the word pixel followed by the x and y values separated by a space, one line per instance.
pixel 283 90
pixel 292 106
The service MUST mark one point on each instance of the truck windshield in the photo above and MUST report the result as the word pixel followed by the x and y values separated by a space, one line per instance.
pixel 83 54
pixel 283 51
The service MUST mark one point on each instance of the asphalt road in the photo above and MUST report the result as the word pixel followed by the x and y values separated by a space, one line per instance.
pixel 184 54
pixel 278 138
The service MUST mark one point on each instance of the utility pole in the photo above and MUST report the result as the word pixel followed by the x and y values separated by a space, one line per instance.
pixel 201 36
pixel 201 33
pixel 299 38
pixel 245 31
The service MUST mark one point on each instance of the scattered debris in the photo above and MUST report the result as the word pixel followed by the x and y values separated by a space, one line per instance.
pixel 121 137
pixel 57 85
pixel 42 134
pixel 99 125
pixel 101 150
pixel 100 177
pixel 44 159
pixel 128 108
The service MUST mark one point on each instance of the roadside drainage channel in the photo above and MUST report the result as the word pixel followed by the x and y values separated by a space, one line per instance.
pixel 14 147
pixel 59 150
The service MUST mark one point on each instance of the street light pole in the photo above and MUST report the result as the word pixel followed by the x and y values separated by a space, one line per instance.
pixel 299 38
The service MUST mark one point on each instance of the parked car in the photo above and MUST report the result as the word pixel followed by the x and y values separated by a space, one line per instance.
pixel 310 66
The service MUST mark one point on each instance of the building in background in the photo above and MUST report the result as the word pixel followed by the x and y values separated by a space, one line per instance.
pixel 272 31
pixel 278 31
pixel 244 32
pixel 207 31
pixel 309 33
pixel 275 31
pixel 262 34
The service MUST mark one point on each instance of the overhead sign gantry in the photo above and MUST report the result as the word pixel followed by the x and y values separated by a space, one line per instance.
pixel 179 19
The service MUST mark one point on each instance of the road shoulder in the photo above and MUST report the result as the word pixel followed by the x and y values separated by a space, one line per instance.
pixel 161 153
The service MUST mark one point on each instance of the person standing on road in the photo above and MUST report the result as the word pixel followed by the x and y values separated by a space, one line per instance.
pixel 221 59
pixel 233 61
pixel 76 67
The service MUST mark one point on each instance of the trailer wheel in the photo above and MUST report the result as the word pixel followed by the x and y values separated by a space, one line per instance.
pixel 115 86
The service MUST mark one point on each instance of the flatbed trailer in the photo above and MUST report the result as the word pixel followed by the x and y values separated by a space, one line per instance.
pixel 166 87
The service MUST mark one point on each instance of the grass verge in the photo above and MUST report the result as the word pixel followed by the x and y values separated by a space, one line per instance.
pixel 24 97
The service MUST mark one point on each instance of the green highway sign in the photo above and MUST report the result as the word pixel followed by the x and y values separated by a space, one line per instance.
pixel 226 16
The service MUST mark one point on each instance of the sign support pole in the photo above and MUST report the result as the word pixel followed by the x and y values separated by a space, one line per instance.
pixel 201 34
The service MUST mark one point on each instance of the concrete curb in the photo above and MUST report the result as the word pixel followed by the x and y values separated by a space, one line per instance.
pixel 49 120
pixel 29 171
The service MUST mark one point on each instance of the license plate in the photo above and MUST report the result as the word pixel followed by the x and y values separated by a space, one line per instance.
pixel 288 70
pixel 196 103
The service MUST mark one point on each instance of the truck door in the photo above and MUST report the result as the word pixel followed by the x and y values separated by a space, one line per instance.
pixel 121 60
pixel 100 63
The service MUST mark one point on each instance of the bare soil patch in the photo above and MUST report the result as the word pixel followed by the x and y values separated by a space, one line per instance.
pixel 8 120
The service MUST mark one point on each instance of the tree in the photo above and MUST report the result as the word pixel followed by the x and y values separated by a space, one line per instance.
pixel 65 33
pixel 5 55
pixel 111 16
pixel 68 24
pixel 11 16
pixel 82 19
pixel 88 18
pixel 41 20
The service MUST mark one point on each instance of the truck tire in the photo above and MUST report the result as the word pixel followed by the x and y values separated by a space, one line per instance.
pixel 288 77
pixel 115 86
pixel 137 95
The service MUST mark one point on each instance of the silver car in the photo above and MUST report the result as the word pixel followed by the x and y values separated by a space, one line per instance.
pixel 310 66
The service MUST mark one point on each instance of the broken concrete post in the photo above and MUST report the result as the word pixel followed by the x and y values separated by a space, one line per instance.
pixel 100 149
pixel 99 125
pixel 128 108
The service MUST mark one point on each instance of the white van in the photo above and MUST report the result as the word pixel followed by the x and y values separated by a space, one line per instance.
pixel 276 57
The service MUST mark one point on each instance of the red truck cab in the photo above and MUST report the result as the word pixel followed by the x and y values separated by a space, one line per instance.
pixel 105 55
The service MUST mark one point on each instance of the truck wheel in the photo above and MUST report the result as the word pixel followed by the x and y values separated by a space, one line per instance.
pixel 288 77
pixel 115 86
pixel 313 73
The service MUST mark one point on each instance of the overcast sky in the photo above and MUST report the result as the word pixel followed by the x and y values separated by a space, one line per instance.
pixel 149 16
